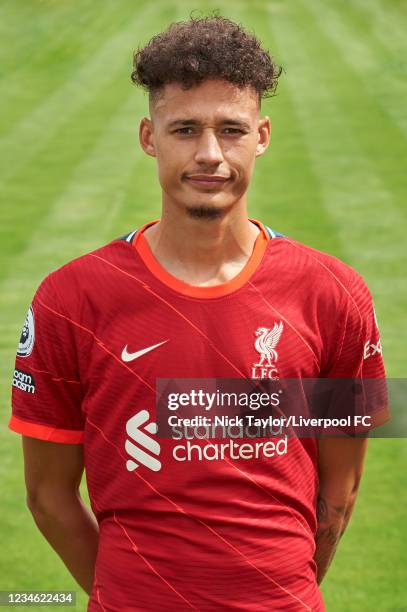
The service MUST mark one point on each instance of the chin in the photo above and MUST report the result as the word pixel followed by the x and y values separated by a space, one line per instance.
pixel 205 211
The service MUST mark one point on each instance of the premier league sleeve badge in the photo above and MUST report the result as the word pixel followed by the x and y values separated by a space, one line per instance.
pixel 26 344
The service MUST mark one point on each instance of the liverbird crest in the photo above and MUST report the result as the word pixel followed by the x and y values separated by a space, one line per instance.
pixel 266 341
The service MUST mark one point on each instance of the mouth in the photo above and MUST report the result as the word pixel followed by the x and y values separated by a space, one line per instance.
pixel 207 180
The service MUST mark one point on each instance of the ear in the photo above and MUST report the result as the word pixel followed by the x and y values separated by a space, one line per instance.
pixel 146 136
pixel 264 131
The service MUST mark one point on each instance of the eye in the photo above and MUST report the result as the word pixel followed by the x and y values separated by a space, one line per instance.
pixel 233 131
pixel 184 130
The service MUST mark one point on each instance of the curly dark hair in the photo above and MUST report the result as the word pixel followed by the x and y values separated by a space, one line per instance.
pixel 213 47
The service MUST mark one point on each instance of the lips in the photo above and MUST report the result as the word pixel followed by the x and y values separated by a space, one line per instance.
pixel 207 180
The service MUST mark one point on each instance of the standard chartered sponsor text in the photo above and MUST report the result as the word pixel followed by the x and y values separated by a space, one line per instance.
pixel 230 449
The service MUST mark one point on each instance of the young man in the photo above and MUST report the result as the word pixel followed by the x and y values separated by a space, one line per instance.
pixel 203 293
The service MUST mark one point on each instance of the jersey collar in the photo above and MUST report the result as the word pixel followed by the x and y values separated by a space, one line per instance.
pixel 142 247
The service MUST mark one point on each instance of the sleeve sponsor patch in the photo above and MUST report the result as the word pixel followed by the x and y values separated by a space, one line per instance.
pixel 23 381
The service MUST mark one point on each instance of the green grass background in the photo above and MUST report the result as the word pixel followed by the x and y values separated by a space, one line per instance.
pixel 72 177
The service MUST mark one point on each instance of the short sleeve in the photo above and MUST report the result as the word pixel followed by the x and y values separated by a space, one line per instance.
pixel 358 361
pixel 46 388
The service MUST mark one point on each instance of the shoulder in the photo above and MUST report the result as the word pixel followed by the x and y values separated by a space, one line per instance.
pixel 82 275
pixel 316 269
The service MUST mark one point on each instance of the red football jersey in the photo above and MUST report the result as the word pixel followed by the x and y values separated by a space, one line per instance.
pixel 183 527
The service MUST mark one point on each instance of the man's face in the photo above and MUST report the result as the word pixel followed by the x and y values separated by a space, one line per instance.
pixel 205 140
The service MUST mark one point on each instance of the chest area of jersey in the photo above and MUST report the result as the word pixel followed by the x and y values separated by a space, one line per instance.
pixel 241 337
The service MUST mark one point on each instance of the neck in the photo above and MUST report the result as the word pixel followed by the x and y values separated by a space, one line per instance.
pixel 202 251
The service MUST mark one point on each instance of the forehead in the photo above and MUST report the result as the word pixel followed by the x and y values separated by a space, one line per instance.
pixel 206 101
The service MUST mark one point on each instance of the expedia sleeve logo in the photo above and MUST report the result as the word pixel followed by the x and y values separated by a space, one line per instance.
pixel 23 381
pixel 26 343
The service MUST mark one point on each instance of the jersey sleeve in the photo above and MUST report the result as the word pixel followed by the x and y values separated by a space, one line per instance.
pixel 358 360
pixel 46 386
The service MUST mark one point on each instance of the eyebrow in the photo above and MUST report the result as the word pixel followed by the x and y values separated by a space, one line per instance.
pixel 195 122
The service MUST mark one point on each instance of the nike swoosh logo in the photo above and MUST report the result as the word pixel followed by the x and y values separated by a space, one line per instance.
pixel 131 356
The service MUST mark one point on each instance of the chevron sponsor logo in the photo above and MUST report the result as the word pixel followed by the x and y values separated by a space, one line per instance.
pixel 265 344
pixel 142 448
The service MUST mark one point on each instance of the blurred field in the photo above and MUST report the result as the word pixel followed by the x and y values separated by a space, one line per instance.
pixel 72 177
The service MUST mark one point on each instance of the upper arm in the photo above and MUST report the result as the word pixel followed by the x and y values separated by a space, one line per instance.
pixel 52 470
pixel 47 387
pixel 355 377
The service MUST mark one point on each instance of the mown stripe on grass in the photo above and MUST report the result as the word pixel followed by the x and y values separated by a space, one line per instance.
pixel 35 131
pixel 43 44
pixel 142 196
pixel 386 20
pixel 29 197
pixel 30 193
pixel 379 59
pixel 357 197
pixel 379 123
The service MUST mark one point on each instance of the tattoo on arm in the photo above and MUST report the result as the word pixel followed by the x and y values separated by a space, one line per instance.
pixel 322 509
pixel 332 522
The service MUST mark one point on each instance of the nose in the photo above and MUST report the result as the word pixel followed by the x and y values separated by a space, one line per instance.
pixel 208 150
